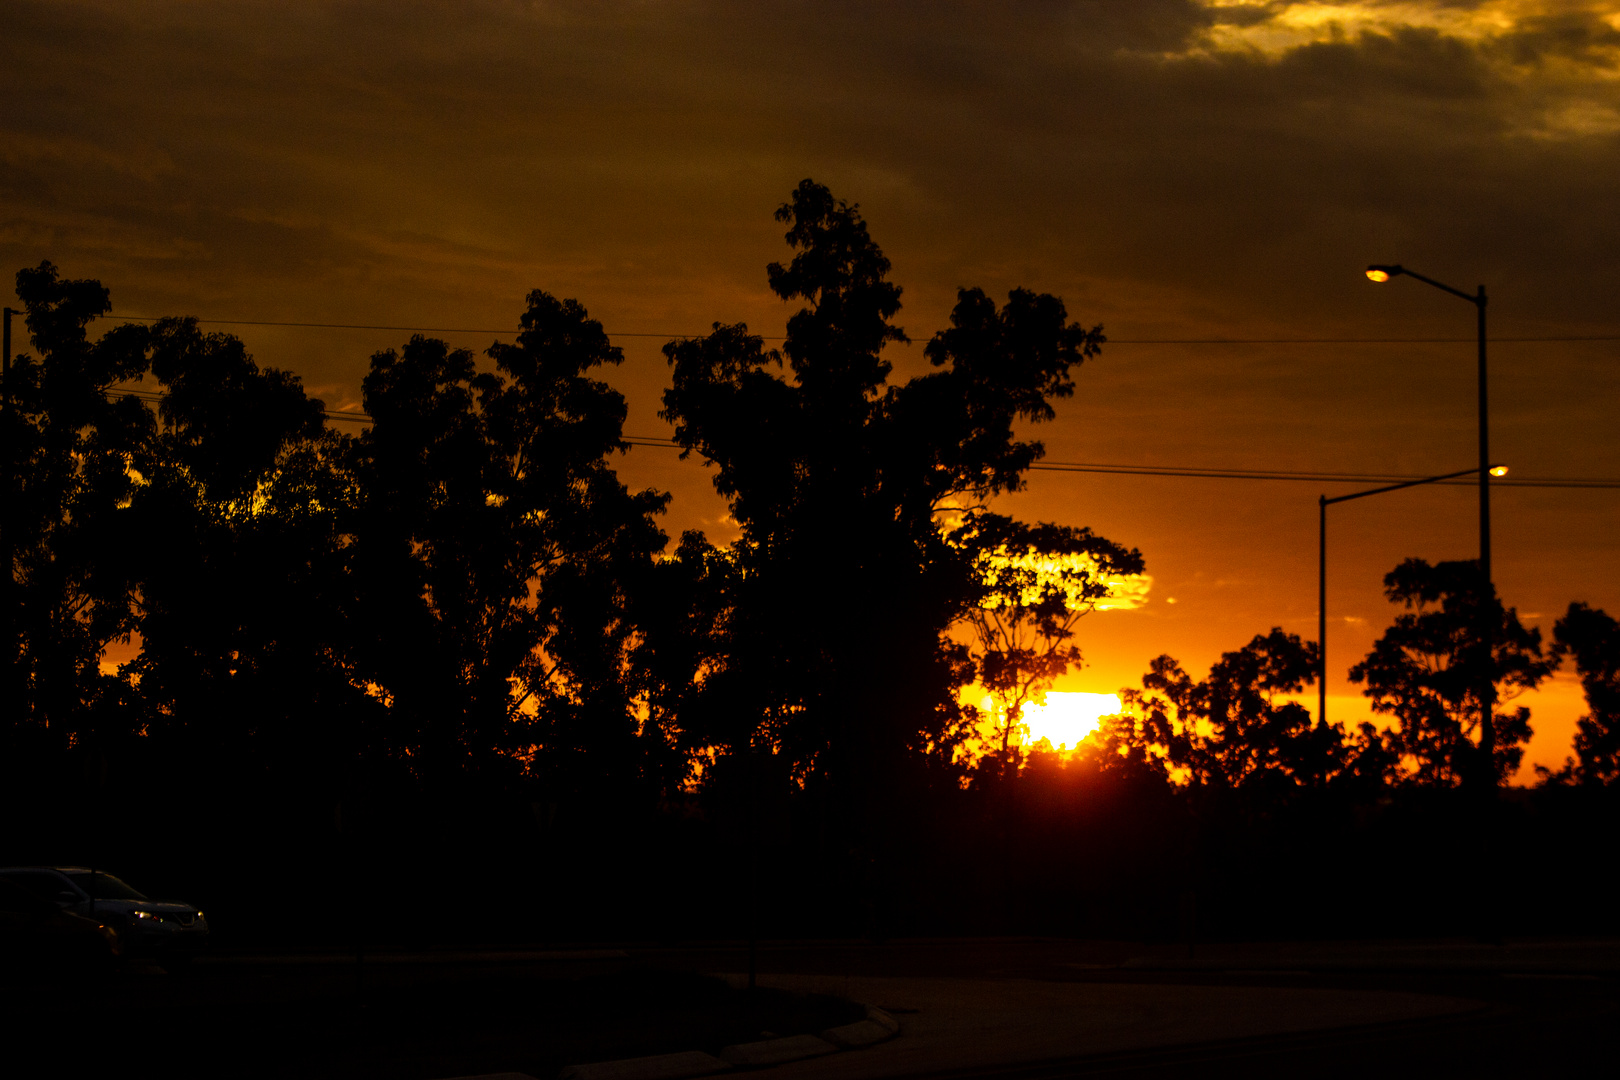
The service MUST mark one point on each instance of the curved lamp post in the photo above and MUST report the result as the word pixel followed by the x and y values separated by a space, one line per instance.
pixel 1487 686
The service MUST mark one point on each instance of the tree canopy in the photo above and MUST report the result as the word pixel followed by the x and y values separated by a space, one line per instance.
pixel 839 483
pixel 1236 730
pixel 68 481
pixel 1036 582
pixel 1592 637
pixel 1424 672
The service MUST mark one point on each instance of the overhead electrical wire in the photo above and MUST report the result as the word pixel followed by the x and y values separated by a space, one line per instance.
pixel 1194 473
pixel 1186 472
pixel 781 337
pixel 1321 478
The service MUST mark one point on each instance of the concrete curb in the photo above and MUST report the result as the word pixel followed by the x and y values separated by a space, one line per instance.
pixel 878 1027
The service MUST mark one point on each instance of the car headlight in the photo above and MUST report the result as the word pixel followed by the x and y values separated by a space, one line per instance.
pixel 152 915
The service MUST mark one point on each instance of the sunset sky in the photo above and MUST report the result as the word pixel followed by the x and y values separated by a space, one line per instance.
pixel 1173 169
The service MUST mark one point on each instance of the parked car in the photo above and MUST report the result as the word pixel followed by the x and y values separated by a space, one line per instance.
pixel 168 931
pixel 37 935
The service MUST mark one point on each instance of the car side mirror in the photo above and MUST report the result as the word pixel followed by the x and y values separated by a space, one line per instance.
pixel 66 897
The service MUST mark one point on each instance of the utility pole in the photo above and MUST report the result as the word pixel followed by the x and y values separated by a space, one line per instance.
pixel 1486 686
pixel 1487 596
pixel 1321 609
pixel 8 663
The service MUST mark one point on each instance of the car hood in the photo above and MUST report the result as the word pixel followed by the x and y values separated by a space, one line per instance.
pixel 160 907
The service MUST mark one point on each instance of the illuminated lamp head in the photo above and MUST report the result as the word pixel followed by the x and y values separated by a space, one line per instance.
pixel 1381 273
pixel 1499 470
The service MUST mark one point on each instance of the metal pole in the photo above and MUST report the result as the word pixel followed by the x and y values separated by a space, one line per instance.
pixel 1486 630
pixel 8 662
pixel 1321 609
pixel 1487 683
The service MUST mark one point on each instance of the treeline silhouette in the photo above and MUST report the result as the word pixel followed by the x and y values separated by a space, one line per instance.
pixel 449 680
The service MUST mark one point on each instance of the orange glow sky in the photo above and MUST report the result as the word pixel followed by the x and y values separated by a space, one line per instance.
pixel 1172 168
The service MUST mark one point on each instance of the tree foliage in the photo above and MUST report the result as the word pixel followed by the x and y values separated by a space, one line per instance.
pixel 467 589
pixel 837 481
pixel 450 592
pixel 499 551
pixel 1036 582
pixel 67 489
pixel 1424 671
pixel 1592 637
pixel 1235 730
pixel 236 542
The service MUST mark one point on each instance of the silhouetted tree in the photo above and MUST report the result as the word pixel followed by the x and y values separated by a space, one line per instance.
pixel 67 486
pixel 1592 637
pixel 245 598
pixel 1038 580
pixel 683 610
pixel 497 552
pixel 1424 672
pixel 1230 731
pixel 837 655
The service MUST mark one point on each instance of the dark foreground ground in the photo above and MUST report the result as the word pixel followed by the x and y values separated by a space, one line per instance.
pixel 396 1017
pixel 1543 1010
pixel 1522 1009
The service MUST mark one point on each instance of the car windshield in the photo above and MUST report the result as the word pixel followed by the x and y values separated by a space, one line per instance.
pixel 105 886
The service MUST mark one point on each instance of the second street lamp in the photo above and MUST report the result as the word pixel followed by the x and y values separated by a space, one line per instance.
pixel 1486 687
pixel 1322 503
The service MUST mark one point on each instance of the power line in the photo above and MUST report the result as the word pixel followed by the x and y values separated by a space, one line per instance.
pixel 508 332
pixel 1313 477
pixel 1194 473
pixel 1186 472
pixel 343 326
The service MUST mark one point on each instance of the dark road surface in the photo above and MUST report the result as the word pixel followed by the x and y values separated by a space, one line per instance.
pixel 1543 1010
pixel 1550 1010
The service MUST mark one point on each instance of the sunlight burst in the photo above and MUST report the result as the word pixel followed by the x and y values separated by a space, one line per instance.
pixel 1066 718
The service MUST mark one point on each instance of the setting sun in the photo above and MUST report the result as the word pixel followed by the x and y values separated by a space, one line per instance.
pixel 1067 718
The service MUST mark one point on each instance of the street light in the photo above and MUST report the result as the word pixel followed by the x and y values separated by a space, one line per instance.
pixel 1487 687
pixel 1322 503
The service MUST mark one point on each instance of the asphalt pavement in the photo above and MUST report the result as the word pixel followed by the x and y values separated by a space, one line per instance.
pixel 1040 1009
pixel 991 1008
